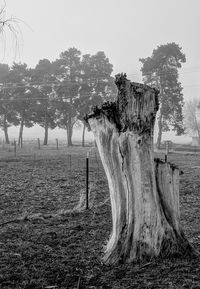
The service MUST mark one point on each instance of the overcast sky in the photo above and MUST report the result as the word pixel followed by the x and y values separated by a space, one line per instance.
pixel 125 30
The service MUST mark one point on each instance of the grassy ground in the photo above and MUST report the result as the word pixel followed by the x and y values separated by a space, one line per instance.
pixel 42 247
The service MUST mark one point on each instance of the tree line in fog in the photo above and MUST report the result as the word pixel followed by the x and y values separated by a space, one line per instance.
pixel 59 93
pixel 54 94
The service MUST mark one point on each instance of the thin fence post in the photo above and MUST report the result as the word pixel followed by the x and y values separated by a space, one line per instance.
pixel 70 162
pixel 38 140
pixel 57 144
pixel 87 181
pixel 15 148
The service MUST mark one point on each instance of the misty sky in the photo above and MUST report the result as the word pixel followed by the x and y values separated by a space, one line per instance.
pixel 125 30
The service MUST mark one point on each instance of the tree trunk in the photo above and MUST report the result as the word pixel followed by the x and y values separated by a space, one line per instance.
pixel 198 130
pixel 83 136
pixel 46 126
pixel 5 128
pixel 69 136
pixel 144 193
pixel 69 125
pixel 159 131
pixel 69 133
pixel 46 129
pixel 20 139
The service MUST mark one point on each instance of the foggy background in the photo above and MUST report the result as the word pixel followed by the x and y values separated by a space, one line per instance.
pixel 125 30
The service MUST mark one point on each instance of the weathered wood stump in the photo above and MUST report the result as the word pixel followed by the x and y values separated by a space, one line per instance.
pixel 144 192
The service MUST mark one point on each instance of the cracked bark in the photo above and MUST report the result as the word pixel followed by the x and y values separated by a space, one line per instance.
pixel 144 192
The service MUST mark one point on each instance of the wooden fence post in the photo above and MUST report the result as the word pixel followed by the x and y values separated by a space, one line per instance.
pixel 87 181
pixel 38 140
pixel 15 148
pixel 70 162
pixel 57 144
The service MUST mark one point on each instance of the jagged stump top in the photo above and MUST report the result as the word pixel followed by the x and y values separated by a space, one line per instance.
pixel 135 108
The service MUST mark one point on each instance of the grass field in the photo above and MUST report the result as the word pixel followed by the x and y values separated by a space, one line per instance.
pixel 48 240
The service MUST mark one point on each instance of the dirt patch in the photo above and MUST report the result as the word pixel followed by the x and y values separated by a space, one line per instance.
pixel 63 250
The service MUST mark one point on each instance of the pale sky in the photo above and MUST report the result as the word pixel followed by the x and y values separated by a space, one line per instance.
pixel 125 30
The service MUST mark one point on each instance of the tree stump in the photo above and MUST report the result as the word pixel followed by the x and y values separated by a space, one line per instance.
pixel 144 192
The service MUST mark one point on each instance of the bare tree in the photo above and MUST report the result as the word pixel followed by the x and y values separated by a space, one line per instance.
pixel 10 26
pixel 192 116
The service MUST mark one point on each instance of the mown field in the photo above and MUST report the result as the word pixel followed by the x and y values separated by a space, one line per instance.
pixel 48 240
